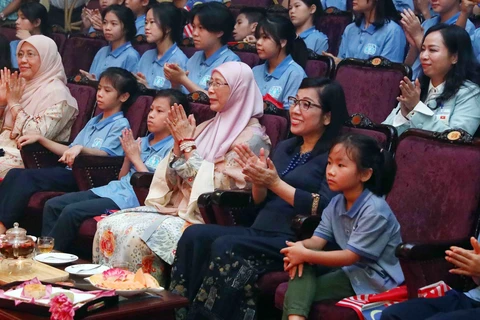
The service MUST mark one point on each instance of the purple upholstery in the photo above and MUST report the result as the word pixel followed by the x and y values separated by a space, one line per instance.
pixel 201 112
pixel 137 115
pixel 93 4
pixel 250 58
pixel 86 97
pixel 379 136
pixel 252 3
pixel 60 39
pixel 9 33
pixel 79 52
pixel 276 127
pixel 320 66
pixel 189 51
pixel 32 220
pixel 358 83
pixel 141 47
pixel 333 24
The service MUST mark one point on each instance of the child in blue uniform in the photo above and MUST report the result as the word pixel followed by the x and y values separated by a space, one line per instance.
pixel 303 14
pixel 246 23
pixel 92 18
pixel 374 33
pixel 164 27
pixel 359 221
pixel 100 136
pixel 212 28
pixel 139 9
pixel 285 55
pixel 118 29
pixel 63 215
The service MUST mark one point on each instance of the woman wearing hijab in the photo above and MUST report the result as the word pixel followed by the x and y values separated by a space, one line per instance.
pixel 36 101
pixel 202 160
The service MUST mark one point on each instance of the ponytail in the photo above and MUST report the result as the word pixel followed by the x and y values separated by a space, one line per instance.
pixel 367 154
pixel 299 52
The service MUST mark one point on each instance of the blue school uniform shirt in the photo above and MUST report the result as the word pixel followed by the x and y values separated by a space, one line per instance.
pixel 152 67
pixel 121 191
pixel 191 3
pixel 315 40
pixel 103 135
pixel 339 4
pixel 387 41
pixel 283 82
pixel 427 24
pixel 371 230
pixel 13 53
pixel 200 68
pixel 125 57
pixel 140 24
pixel 401 5
pixel 476 43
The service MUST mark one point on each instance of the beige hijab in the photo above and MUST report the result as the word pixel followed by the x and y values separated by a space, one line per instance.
pixel 48 86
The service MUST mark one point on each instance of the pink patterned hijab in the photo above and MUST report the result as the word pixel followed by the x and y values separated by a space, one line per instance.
pixel 48 86
pixel 245 102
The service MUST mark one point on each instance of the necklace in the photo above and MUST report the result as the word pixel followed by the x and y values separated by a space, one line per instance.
pixel 297 160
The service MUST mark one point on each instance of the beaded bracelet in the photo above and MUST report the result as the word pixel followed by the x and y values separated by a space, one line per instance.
pixel 187 144
pixel 186 139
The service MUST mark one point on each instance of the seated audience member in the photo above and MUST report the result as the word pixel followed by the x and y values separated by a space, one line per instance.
pixel 62 216
pixel 247 21
pixel 281 10
pixel 92 18
pixel 447 11
pixel 119 30
pixel 8 10
pixel 5 59
pixel 100 136
pixel 139 9
pixel 38 100
pixel 468 8
pixel 447 93
pixel 339 4
pixel 164 27
pixel 358 221
pixel 454 305
pixel 32 20
pixel 292 181
pixel 56 11
pixel 374 33
pixel 285 55
pixel 212 28
pixel 202 160
pixel 303 14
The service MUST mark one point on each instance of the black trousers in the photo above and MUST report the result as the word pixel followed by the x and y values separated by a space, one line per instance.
pixel 56 16
pixel 453 306
pixel 20 184
pixel 62 216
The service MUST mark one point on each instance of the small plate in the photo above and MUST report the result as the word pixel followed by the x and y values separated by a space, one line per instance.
pixel 89 269
pixel 56 258
pixel 123 293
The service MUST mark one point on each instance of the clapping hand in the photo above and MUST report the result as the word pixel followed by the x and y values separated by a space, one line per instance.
pixel 89 76
pixel 174 73
pixel 259 170
pixel 467 6
pixel 96 20
pixel 410 95
pixel 141 79
pixel 181 127
pixel 412 27
pixel 246 156
pixel 4 76
pixel 15 88
pixel 466 261
pixel 131 147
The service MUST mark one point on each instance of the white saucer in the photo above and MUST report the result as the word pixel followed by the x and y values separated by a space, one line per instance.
pixel 56 258
pixel 89 269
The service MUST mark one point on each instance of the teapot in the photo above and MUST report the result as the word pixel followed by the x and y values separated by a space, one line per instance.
pixel 15 243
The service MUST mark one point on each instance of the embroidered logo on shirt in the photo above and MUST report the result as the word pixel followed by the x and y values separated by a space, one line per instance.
pixel 159 82
pixel 97 143
pixel 370 49
pixel 275 91
pixel 204 81
pixel 153 162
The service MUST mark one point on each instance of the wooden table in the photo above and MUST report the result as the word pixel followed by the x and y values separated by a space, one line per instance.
pixel 143 307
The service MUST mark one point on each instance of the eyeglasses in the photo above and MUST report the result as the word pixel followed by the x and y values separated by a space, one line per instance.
pixel 304 104
pixel 29 55
pixel 215 84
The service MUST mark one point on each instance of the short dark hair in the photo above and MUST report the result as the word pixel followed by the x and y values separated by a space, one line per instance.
pixel 170 20
pixel 33 11
pixel 5 59
pixel 126 16
pixel 280 28
pixel 253 14
pixel 366 153
pixel 215 17
pixel 175 96
pixel 458 42
pixel 278 9
pixel 124 82
pixel 318 13
pixel 385 12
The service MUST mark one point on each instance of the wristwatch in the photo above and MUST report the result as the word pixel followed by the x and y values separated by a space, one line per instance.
pixel 189 149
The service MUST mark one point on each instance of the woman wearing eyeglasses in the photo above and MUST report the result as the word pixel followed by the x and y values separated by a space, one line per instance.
pixel 36 101
pixel 216 267
pixel 202 160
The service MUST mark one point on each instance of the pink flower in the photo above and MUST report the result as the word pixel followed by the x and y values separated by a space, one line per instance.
pixel 116 273
pixel 61 308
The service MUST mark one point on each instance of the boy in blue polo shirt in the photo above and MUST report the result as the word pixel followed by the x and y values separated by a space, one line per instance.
pixel 212 27
pixel 62 216
pixel 164 27
pixel 100 136
pixel 358 221
pixel 119 29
